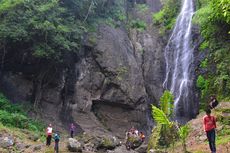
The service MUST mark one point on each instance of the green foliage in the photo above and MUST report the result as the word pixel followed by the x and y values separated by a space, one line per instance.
pixel 166 132
pixel 138 24
pixel 203 85
pixel 160 117
pixel 107 143
pixel 166 17
pixel 221 11
pixel 8 4
pixel 204 45
pixel 154 138
pixel 14 116
pixel 166 102
pixel 183 133
pixel 51 29
pixel 157 17
pixel 213 18
pixel 6 106
pixel 42 27
pixel 201 14
pixel 142 7
pixel 204 63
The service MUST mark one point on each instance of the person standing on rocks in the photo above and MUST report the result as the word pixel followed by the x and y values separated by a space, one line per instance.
pixel 213 102
pixel 72 129
pixel 49 131
pixel 209 124
pixel 56 140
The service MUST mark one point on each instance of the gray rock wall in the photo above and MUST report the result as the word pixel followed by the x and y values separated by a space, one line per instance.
pixel 106 89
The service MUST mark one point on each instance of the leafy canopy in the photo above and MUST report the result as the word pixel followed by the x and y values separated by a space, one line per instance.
pixel 51 29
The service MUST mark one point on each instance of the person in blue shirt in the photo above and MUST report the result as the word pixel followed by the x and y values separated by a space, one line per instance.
pixel 56 140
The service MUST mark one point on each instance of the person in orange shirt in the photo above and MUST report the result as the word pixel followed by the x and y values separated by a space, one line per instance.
pixel 209 124
pixel 142 136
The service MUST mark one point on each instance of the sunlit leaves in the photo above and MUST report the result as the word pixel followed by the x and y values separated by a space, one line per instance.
pixel 166 102
pixel 160 117
pixel 9 4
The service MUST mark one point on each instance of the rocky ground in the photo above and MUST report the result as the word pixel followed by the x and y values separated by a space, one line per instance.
pixel 197 141
pixel 23 141
pixel 197 138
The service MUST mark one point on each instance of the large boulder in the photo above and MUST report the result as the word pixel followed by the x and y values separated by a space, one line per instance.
pixel 6 142
pixel 74 145
pixel 98 143
pixel 108 143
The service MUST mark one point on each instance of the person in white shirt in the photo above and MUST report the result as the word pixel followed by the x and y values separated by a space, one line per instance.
pixel 49 131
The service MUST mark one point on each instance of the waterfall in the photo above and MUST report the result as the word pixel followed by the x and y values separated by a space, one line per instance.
pixel 179 58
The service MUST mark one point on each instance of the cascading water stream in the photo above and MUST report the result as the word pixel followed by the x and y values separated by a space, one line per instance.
pixel 179 58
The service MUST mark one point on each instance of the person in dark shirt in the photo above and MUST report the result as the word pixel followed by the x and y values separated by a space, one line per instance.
pixel 213 102
pixel 72 129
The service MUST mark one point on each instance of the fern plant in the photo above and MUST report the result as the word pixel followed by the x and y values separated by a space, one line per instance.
pixel 166 103
pixel 160 117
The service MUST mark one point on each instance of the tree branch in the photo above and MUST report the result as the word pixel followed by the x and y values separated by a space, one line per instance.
pixel 89 9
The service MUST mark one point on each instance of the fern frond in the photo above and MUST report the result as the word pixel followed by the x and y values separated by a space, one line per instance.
pixel 159 116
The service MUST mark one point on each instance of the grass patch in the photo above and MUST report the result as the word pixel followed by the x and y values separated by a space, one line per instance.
pixel 222 140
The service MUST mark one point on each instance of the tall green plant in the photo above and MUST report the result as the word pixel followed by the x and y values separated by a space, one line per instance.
pixel 183 133
pixel 166 103
pixel 162 117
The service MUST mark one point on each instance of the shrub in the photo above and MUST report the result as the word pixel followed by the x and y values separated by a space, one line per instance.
pixel 138 24
pixel 166 17
pixel 201 82
pixel 204 63
pixel 13 115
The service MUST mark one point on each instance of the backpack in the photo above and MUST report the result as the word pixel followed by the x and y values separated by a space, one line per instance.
pixel 56 137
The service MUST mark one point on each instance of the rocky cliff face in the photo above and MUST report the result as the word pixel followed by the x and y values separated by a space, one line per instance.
pixel 107 88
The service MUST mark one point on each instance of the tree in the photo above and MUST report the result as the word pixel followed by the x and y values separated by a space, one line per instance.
pixel 42 28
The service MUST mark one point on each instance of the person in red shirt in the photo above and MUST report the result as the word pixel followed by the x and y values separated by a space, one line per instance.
pixel 209 124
